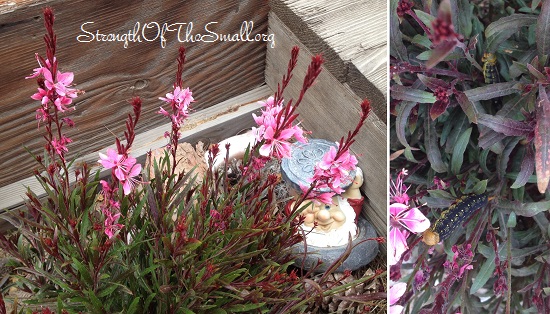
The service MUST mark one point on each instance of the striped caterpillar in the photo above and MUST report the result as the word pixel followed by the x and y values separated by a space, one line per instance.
pixel 490 72
pixel 452 217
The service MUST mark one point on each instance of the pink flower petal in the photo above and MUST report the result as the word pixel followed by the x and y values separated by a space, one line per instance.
pixel 397 245
pixel 396 292
pixel 414 220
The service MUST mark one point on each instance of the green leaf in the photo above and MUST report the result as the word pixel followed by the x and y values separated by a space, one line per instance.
pixel 480 187
pixel 458 151
pixel 543 30
pixel 485 273
pixel 403 112
pixel 411 94
pixel 461 11
pixel 425 17
pixel 433 151
pixel 134 306
pixel 500 30
pixel 528 209
pixel 397 48
pixel 422 40
pixel 238 308
pixel 83 271
pixel 512 220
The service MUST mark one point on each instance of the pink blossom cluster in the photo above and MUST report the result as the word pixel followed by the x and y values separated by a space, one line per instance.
pixel 403 220
pixel 276 136
pixel 333 169
pixel 111 211
pixel 55 88
pixel 124 168
pixel 179 101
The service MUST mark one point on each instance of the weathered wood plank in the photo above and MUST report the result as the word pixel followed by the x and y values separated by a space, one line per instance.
pixel 351 35
pixel 329 110
pixel 111 74
pixel 210 125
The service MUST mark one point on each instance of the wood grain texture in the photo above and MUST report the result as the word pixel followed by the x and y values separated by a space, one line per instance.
pixel 210 125
pixel 330 109
pixel 111 74
pixel 351 35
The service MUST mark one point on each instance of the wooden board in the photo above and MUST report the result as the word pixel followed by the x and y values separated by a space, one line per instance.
pixel 329 110
pixel 111 74
pixel 210 125
pixel 351 35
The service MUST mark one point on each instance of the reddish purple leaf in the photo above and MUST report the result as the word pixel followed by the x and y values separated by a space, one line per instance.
pixel 505 125
pixel 433 83
pixel 438 109
pixel 439 53
pixel 527 167
pixel 542 140
pixel 467 106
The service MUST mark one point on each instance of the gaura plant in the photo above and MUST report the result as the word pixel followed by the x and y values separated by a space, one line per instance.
pixel 469 128
pixel 155 240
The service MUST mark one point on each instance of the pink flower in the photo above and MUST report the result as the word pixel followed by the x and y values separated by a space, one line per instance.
pixel 317 197
pixel 64 80
pixel 411 219
pixel 39 71
pixel 131 169
pixel 398 190
pixel 125 168
pixel 395 293
pixel 60 145
pixel 179 101
pixel 279 146
pixel 111 225
pixel 111 160
pixel 332 170
pixel 42 95
pixel 397 245
pixel 277 137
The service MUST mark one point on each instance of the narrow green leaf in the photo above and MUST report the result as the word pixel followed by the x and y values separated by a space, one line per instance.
pixel 500 30
pixel 512 220
pixel 528 209
pixel 458 151
pixel 484 274
pixel 411 94
pixel 425 17
pixel 480 187
pixel 433 151
pixel 238 308
pixel 133 306
pixel 397 48
pixel 403 112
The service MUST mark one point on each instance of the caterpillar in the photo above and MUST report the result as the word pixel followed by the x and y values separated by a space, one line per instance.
pixel 452 217
pixel 490 72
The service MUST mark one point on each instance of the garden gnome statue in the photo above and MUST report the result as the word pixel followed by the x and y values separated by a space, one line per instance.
pixel 325 225
pixel 328 228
